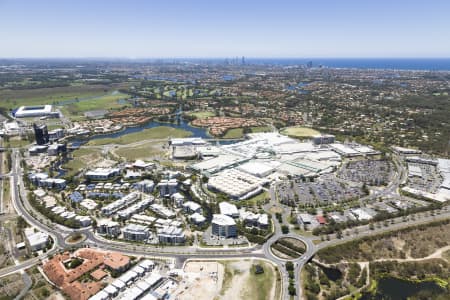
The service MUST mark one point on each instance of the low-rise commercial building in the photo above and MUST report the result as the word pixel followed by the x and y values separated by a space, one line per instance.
pixel 102 173
pixel 136 232
pixel 171 235
pixel 223 226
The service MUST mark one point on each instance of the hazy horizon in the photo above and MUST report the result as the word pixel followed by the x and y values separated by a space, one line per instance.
pixel 201 29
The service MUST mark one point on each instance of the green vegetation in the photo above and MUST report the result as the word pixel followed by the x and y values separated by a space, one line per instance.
pixel 260 129
pixel 17 142
pixel 161 132
pixel 291 248
pixel 73 263
pixel 81 159
pixel 299 131
pixel 142 151
pixel 259 199
pixel 105 102
pixel 260 285
pixel 37 96
pixel 203 114
pixel 418 241
pixel 235 133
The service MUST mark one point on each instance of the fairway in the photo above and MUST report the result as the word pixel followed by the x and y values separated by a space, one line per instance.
pixel 203 114
pixel 160 132
pixel 299 131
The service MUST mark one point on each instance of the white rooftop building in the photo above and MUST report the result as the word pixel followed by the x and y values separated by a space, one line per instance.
pixel 36 240
pixel 236 184
pixel 228 209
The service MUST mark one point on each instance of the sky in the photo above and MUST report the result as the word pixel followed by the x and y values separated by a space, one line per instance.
pixel 216 28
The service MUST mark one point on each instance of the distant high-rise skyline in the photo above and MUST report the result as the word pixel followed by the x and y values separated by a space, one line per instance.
pixel 201 28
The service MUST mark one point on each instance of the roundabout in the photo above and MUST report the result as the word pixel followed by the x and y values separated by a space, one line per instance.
pixel 288 248
pixel 75 238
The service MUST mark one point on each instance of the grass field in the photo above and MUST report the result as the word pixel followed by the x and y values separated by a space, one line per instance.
pixel 298 131
pixel 261 129
pixel 237 133
pixel 241 282
pixel 106 102
pixel 15 98
pixel 17 142
pixel 256 200
pixel 160 132
pixel 234 133
pixel 82 158
pixel 144 151
pixel 203 114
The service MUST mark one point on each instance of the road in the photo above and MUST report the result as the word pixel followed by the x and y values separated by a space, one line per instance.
pixel 180 254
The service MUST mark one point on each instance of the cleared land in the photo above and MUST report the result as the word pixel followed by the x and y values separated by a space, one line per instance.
pixel 146 150
pixel 82 158
pixel 202 281
pixel 299 131
pixel 41 289
pixel 241 282
pixel 160 132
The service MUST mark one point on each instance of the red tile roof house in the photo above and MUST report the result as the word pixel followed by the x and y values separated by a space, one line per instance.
pixel 321 220
pixel 67 279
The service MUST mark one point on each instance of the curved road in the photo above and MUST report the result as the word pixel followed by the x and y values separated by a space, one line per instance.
pixel 60 233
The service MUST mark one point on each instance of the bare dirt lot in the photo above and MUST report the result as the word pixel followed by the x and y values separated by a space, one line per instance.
pixel 202 281
pixel 228 280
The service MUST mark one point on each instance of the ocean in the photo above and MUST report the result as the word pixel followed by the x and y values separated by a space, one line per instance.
pixel 430 64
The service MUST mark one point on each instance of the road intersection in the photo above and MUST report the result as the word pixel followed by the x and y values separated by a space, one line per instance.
pixel 179 254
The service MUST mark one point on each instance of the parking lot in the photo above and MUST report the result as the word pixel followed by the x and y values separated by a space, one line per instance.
pixel 326 189
pixel 371 172
pixel 430 180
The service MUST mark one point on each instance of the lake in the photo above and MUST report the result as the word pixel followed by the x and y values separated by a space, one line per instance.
pixel 396 289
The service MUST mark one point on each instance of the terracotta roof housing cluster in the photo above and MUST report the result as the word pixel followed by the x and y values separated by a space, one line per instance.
pixel 219 125
pixel 66 279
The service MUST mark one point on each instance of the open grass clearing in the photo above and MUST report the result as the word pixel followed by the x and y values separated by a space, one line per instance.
pixel 82 158
pixel 259 199
pixel 202 114
pixel 241 282
pixel 15 98
pixel 235 133
pixel 261 129
pixel 160 132
pixel 17 142
pixel 144 151
pixel 105 102
pixel 300 131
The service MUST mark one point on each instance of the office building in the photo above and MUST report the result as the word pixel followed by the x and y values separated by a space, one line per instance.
pixel 41 134
pixel 224 226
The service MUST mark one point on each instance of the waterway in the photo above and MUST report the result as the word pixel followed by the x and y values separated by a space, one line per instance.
pixel 332 273
pixel 395 288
